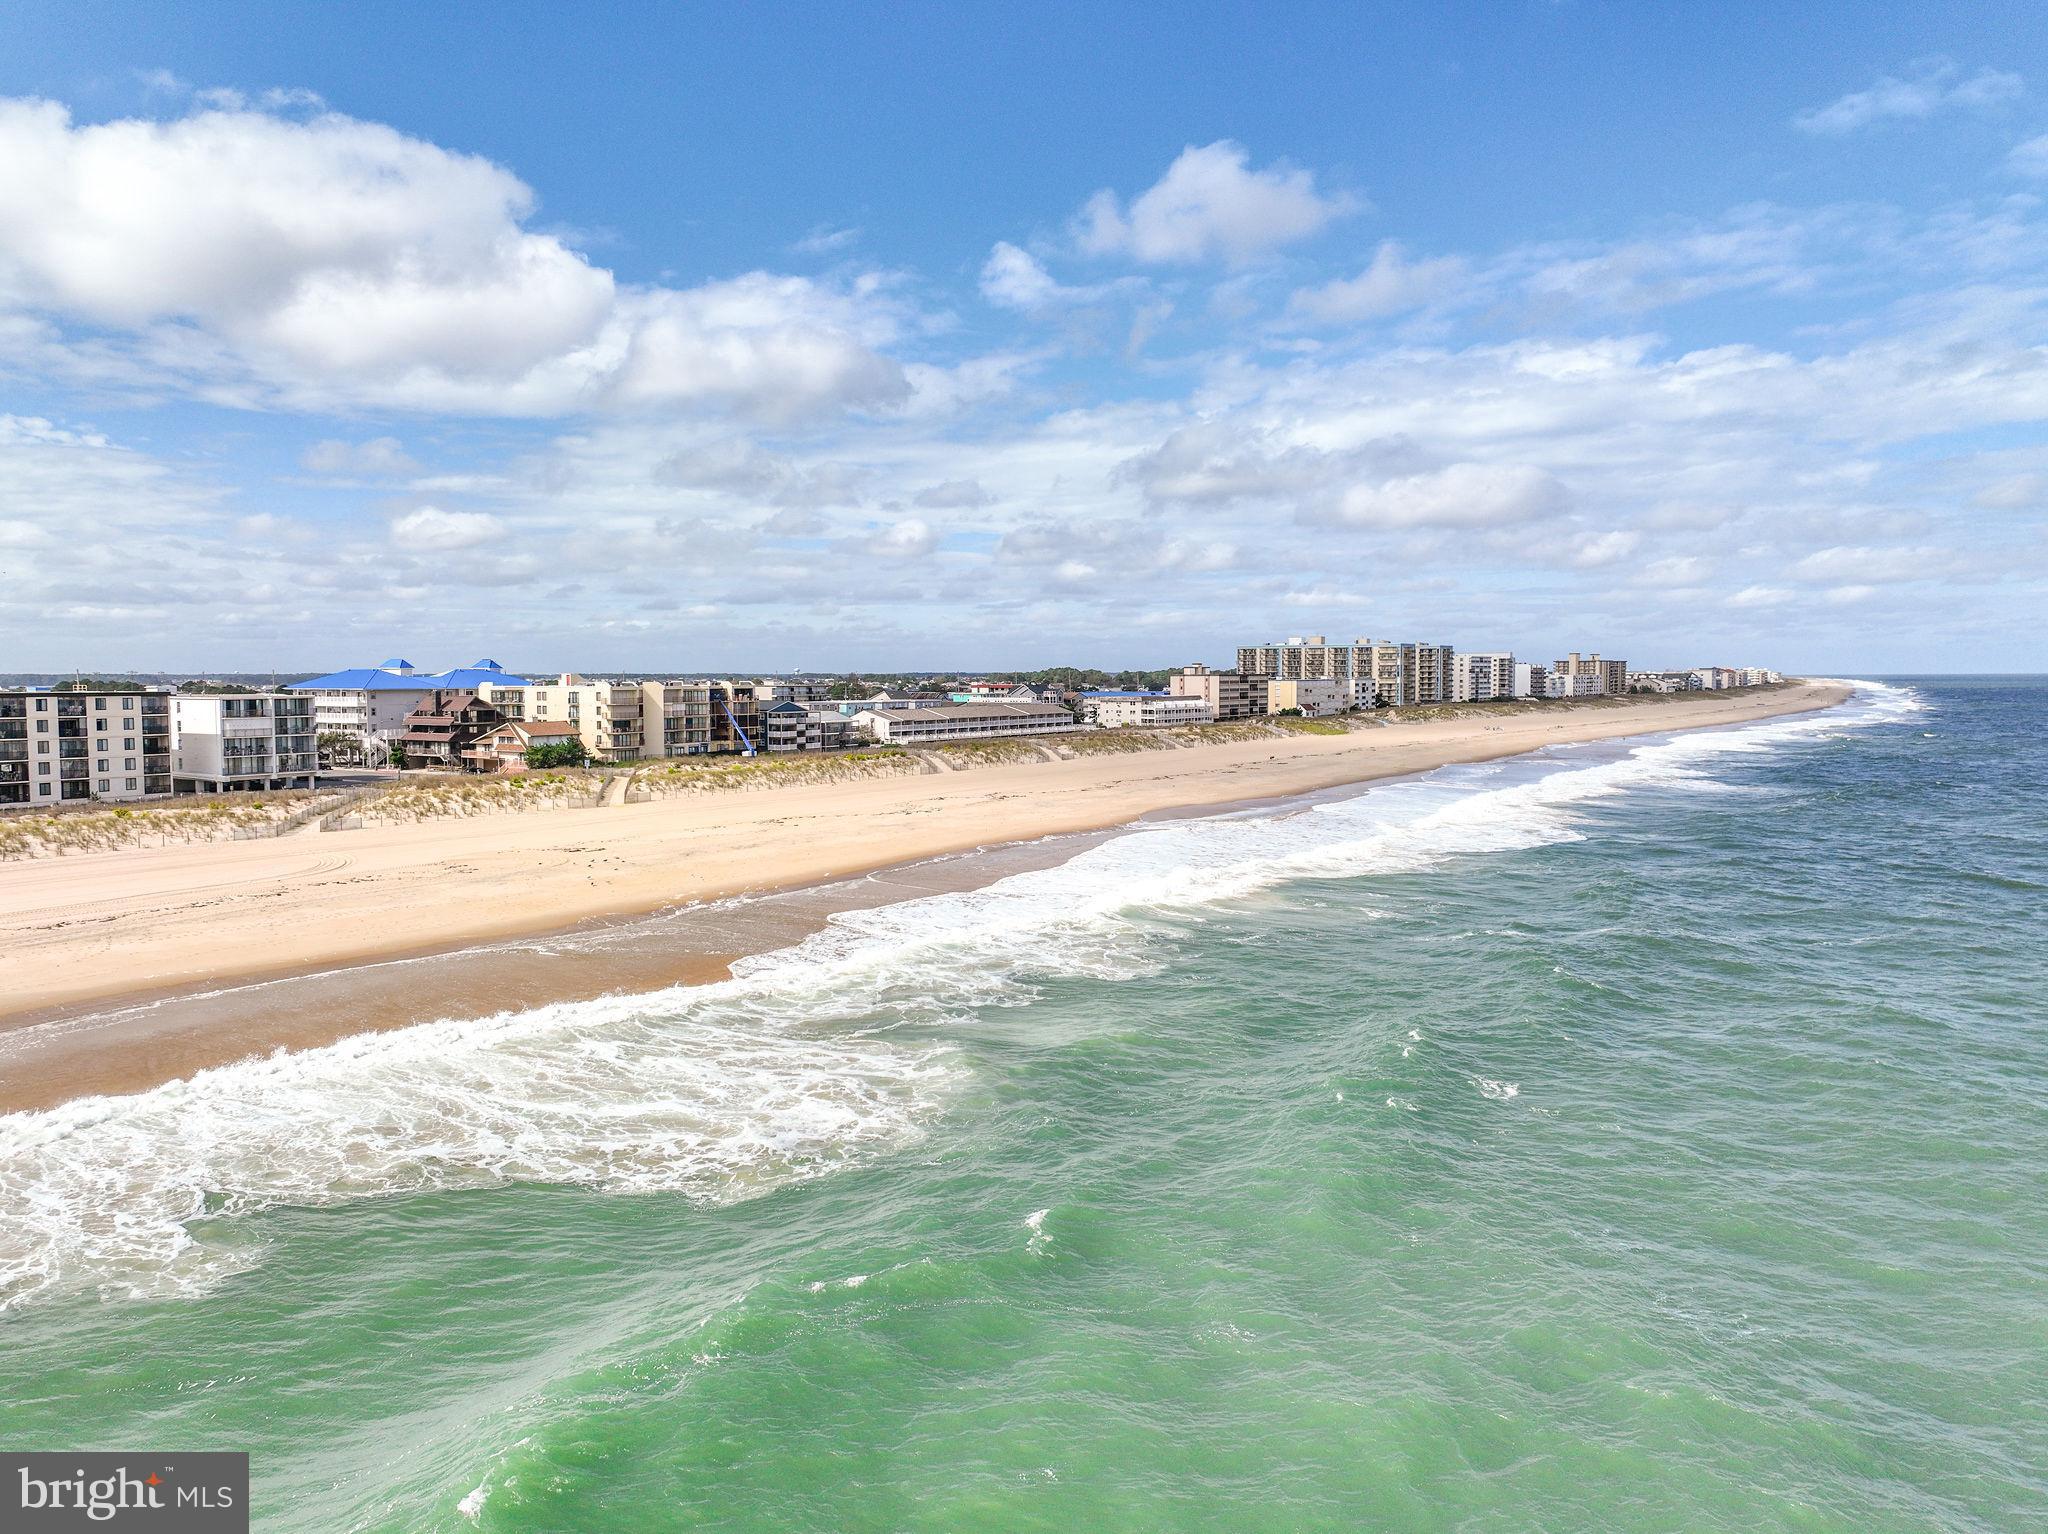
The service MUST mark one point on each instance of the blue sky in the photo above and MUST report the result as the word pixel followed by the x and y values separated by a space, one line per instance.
pixel 706 339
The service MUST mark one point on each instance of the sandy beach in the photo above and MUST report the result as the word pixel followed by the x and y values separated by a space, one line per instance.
pixel 101 928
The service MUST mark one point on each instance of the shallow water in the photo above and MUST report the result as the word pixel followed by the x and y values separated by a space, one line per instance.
pixel 1645 1135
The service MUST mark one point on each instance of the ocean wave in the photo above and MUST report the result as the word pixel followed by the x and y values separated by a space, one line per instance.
pixel 791 1069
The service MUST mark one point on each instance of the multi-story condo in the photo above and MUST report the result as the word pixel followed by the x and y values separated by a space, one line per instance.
pixel 369 704
pixel 1378 672
pixel 793 727
pixel 1229 694
pixel 1575 684
pixel 62 747
pixel 1531 680
pixel 962 721
pixel 776 689
pixel 239 742
pixel 1310 695
pixel 1612 674
pixel 1147 710
pixel 1480 675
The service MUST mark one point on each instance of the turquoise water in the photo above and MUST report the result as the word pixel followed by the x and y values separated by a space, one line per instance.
pixel 1649 1136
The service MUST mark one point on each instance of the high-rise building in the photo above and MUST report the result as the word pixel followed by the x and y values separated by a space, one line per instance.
pixel 1479 676
pixel 1229 694
pixel 1613 674
pixel 64 747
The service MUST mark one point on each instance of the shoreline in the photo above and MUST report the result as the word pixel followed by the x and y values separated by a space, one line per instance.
pixel 137 967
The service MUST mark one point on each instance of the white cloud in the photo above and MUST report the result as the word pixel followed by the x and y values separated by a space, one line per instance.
pixel 964 494
pixel 1931 86
pixel 2030 158
pixel 1874 566
pixel 1762 596
pixel 431 530
pixel 2016 492
pixel 1392 284
pixel 1462 495
pixel 1606 549
pixel 824 240
pixel 909 538
pixel 1209 204
pixel 378 458
pixel 331 260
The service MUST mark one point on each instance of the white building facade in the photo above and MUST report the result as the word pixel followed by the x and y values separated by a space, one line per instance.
pixel 243 742
pixel 70 747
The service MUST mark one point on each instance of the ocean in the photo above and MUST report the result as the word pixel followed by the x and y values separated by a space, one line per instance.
pixel 1648 1135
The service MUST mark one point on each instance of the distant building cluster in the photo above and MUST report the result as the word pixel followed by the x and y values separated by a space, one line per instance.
pixel 108 744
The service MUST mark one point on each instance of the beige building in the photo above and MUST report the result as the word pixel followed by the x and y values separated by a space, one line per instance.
pixel 1313 696
pixel 632 721
pixel 1613 674
pixel 1229 694
pixel 69 747
pixel 1378 672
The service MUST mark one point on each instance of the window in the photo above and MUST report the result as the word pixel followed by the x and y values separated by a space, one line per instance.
pixel 99 707
pixel 129 704
pixel 42 769
pixel 128 765
pixel 99 724
pixel 42 726
pixel 128 743
pixel 131 785
pixel 43 789
pixel 103 785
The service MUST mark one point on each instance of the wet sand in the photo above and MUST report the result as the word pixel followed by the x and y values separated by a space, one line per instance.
pixel 131 968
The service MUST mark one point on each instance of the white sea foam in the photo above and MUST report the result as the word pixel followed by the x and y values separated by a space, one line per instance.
pixel 788 1070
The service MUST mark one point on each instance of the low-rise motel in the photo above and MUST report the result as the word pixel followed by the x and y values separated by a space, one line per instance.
pixel 107 743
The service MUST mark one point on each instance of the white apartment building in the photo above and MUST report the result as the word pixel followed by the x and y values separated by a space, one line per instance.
pixel 239 742
pixel 369 704
pixel 1481 675
pixel 1143 710
pixel 1531 680
pixel 962 721
pixel 69 747
pixel 1574 684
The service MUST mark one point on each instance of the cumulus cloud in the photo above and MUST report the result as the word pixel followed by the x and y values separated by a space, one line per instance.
pixel 1210 204
pixel 1392 284
pixel 964 494
pixel 1929 86
pixel 378 458
pixel 909 538
pixel 326 258
pixel 430 530
pixel 2031 157
pixel 1462 495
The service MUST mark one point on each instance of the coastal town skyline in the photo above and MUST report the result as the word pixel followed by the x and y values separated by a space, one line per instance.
pixel 304 351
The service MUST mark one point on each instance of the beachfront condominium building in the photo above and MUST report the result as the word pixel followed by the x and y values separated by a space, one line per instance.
pixel 1531 680
pixel 632 721
pixel 1143 710
pixel 1574 684
pixel 1612 674
pixel 367 707
pixel 67 747
pixel 1379 673
pixel 243 742
pixel 1229 694
pixel 1478 676
pixel 794 727
pixel 962 721
pixel 1314 696
pixel 794 689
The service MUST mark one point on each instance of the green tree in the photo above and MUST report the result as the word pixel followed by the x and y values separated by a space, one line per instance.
pixel 567 753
